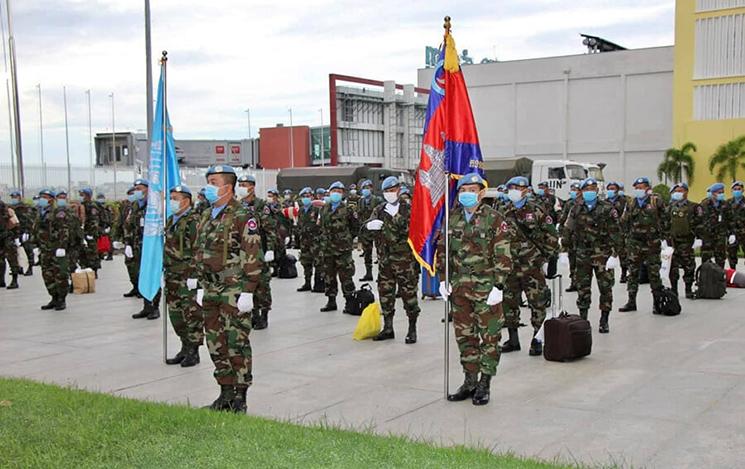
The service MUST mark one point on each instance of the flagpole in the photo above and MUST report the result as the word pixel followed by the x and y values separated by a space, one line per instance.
pixel 165 190
pixel 447 244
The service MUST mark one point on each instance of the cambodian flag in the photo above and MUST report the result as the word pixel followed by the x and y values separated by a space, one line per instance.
pixel 450 147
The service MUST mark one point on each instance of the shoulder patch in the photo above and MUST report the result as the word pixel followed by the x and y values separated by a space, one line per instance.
pixel 503 228
pixel 267 210
pixel 251 224
pixel 614 213
pixel 699 210
pixel 94 211
pixel 529 216
pixel 549 220
pixel 61 214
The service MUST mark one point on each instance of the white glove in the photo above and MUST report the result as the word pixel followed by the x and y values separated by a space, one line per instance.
pixel 392 210
pixel 495 297
pixel 118 245
pixel 200 296
pixel 697 243
pixel 564 259
pixel 245 302
pixel 89 237
pixel 664 245
pixel 191 283
pixel 60 253
pixel 613 263
pixel 374 225
pixel 37 252
pixel 667 253
pixel 17 242
pixel 444 292
pixel 287 240
pixel 544 268
pixel 732 239
pixel 269 256
pixel 107 230
pixel 24 237
pixel 128 252
pixel 85 243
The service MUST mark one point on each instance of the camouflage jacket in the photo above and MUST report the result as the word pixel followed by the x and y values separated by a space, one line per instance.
pixel 548 204
pixel 597 230
pixel 684 219
pixel 92 224
pixel 180 246
pixel 77 236
pixel 54 230
pixel 9 223
pixel 365 207
pixel 268 224
pixel 738 216
pixel 717 220
pixel 308 231
pixel 645 222
pixel 566 208
pixel 479 249
pixel 134 225
pixel 26 215
pixel 228 257
pixel 535 237
pixel 338 228
pixel 106 216
pixel 392 241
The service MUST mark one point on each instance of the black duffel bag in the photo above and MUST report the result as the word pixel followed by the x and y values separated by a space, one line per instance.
pixel 359 300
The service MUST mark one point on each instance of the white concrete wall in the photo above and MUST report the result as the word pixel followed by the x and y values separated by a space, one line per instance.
pixel 612 107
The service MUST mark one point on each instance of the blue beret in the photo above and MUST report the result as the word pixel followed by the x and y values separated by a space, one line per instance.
pixel 60 192
pixel 272 191
pixel 471 178
pixel 131 189
pixel 620 184
pixel 641 180
pixel 611 183
pixel 717 186
pixel 390 181
pixel 588 182
pixel 220 169
pixel 366 182
pixel 353 186
pixel 501 187
pixel 543 183
pixel 574 185
pixel 287 191
pixel 182 189
pixel 405 190
pixel 320 191
pixel 101 195
pixel 86 190
pixel 339 185
pixel 677 185
pixel 15 194
pixel 519 181
pixel 48 192
pixel 736 183
pixel 305 190
pixel 141 182
pixel 247 178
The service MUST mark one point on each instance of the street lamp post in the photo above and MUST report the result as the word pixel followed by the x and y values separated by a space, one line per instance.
pixel 67 142
pixel 292 143
pixel 16 103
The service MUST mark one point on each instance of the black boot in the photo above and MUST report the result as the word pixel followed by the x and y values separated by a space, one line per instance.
pixel 239 401
pixel 225 400
pixel 583 313
pixel 191 358
pixel 13 282
pixel 689 292
pixel 481 395
pixel 179 357
pixel 536 348
pixel 513 343
pixel 255 317
pixel 450 318
pixel 604 328
pixel 95 272
pixel 623 274
pixel 51 304
pixel 131 294
pixel 306 286
pixel 630 306
pixel 110 257
pixel 60 305
pixel 262 321
pixel 655 295
pixel 153 311
pixel 572 288
pixel 330 305
pixel 319 285
pixel 346 309
pixel 411 334
pixel 29 271
pixel 387 332
pixel 466 390
pixel 70 288
pixel 368 274
pixel 145 312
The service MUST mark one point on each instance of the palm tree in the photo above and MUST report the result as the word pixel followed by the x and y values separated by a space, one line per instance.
pixel 677 162
pixel 728 158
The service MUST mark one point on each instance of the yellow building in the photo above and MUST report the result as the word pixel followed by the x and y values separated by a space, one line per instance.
pixel 708 80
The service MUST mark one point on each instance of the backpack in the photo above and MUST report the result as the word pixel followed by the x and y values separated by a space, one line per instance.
pixel 359 300
pixel 287 268
pixel 666 303
pixel 710 281
pixel 679 224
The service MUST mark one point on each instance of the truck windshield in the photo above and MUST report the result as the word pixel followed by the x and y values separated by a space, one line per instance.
pixel 575 171
pixel 596 173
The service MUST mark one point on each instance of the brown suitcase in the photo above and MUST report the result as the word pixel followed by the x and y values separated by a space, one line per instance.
pixel 566 336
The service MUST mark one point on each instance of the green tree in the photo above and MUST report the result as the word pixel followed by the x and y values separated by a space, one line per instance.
pixel 677 163
pixel 728 158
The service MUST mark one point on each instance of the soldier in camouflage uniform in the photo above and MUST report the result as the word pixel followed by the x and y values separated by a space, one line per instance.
pixel 646 224
pixel 106 222
pixel 534 243
pixel 479 262
pixel 389 223
pixel 280 229
pixel 566 244
pixel 201 204
pixel 319 280
pixel 178 263
pixel 307 235
pixel 9 242
pixel 91 231
pixel 134 227
pixel 685 223
pixel 547 200
pixel 594 229
pixel 268 229
pixel 405 195
pixel 614 194
pixel 365 205
pixel 717 220
pixel 229 262
pixel 76 232
pixel 353 197
pixel 737 208
pixel 502 200
pixel 53 236
pixel 26 216
pixel 127 207
pixel 338 223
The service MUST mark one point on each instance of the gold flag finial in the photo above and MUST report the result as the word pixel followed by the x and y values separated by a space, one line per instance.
pixel 452 63
pixel 447 25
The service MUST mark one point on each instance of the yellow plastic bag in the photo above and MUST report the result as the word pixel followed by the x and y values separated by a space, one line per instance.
pixel 369 324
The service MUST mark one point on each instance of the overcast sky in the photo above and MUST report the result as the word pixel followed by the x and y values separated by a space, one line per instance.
pixel 229 55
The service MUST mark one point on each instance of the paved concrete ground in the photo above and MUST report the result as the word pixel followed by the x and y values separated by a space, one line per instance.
pixel 656 392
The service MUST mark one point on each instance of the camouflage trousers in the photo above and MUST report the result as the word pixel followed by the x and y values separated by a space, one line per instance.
pixel 528 279
pixel 9 252
pixel 133 269
pixel 89 256
pixel 589 262
pixel 683 258
pixel 572 265
pixel 714 249
pixel 367 242
pixel 227 331
pixel 339 264
pixel 73 258
pixel 403 273
pixel 55 271
pixel 733 249
pixel 639 252
pixel 478 328
pixel 311 260
pixel 263 294
pixel 185 315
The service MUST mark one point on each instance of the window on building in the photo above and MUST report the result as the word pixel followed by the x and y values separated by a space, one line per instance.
pixel 720 47
pixel 347 111
pixel 709 5
pixel 719 102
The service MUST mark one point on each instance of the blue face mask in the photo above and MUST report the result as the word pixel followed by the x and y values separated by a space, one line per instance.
pixel 365 192
pixel 572 195
pixel 139 195
pixel 326 200
pixel 590 196
pixel 677 196
pixel 42 202
pixel 14 201
pixel 335 197
pixel 211 193
pixel 720 197
pixel 640 193
pixel 611 193
pixel 131 197
pixel 540 192
pixel 61 202
pixel 468 199
pixel 175 206
pixel 737 194
pixel 621 193
pixel 306 201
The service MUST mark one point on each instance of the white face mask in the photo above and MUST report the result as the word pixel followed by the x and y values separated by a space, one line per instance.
pixel 241 192
pixel 515 195
pixel 390 197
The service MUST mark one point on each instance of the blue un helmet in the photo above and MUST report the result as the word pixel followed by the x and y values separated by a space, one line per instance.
pixel 338 185
pixel 471 178
pixel 519 181
pixel 390 182
pixel 141 182
pixel 247 178
pixel 182 189
pixel 221 169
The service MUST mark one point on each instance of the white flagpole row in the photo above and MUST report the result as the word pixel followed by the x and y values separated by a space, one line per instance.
pixel 447 283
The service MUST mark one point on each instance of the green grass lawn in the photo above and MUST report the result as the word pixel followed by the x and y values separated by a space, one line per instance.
pixel 48 426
